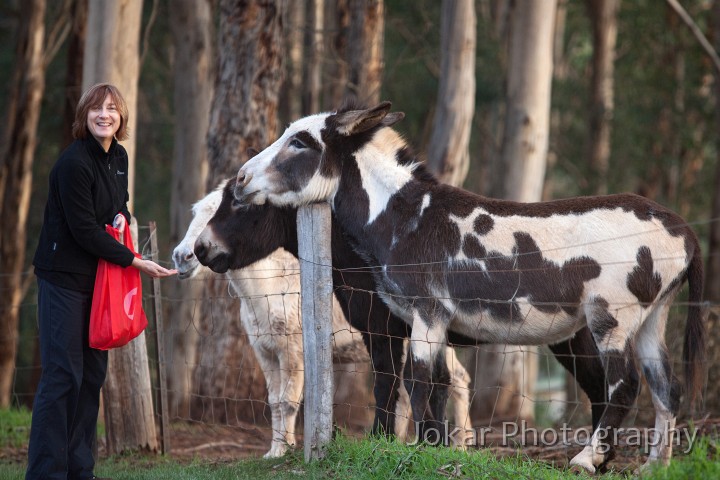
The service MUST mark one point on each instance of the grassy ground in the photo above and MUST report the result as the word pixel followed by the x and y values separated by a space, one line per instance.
pixel 350 459
pixel 14 427
pixel 346 459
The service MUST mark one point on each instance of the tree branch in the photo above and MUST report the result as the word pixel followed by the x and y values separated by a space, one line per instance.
pixel 685 17
pixel 146 33
pixel 58 32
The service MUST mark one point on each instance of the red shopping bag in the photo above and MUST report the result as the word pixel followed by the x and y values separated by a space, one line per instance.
pixel 117 315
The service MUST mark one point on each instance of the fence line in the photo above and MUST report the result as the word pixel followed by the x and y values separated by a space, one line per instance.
pixel 572 405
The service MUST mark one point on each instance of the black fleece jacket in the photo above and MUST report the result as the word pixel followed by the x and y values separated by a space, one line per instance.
pixel 88 187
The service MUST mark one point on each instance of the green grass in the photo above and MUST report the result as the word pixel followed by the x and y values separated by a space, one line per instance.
pixel 702 462
pixel 14 427
pixel 372 459
pixel 346 458
pixel 349 459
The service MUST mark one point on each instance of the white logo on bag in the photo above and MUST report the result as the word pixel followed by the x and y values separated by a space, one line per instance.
pixel 128 302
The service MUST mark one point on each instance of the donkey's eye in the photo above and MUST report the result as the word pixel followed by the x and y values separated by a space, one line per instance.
pixel 295 143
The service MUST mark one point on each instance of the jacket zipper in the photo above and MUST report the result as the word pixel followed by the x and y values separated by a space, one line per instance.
pixel 113 182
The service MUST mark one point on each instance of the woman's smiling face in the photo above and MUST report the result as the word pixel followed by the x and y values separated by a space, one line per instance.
pixel 104 121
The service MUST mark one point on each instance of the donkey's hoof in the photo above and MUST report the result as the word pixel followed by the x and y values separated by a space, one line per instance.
pixel 604 466
pixel 579 468
pixel 277 450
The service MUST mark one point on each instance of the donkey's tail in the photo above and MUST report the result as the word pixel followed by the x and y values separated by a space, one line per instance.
pixel 695 334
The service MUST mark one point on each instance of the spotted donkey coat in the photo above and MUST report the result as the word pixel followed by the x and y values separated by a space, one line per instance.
pixel 266 280
pixel 499 271
pixel 238 235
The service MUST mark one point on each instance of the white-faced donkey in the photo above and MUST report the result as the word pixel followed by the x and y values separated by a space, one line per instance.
pixel 447 260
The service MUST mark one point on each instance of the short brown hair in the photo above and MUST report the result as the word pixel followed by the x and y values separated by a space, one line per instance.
pixel 94 97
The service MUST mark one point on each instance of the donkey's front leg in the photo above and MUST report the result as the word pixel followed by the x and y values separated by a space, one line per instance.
pixel 426 341
pixel 292 384
pixel 285 378
pixel 271 370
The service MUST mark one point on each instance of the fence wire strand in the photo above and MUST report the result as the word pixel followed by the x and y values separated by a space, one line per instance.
pixel 223 388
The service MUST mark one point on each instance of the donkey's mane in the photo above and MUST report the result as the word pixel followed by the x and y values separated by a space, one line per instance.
pixel 406 156
pixel 422 174
pixel 209 203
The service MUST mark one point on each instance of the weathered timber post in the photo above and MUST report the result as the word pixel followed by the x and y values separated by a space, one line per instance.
pixel 163 410
pixel 313 223
pixel 127 395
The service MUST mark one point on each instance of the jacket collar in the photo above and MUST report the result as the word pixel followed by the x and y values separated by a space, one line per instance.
pixel 96 149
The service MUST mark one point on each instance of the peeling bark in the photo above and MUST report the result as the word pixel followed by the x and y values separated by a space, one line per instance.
pixel 26 91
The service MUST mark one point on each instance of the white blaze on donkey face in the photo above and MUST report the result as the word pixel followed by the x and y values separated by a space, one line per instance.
pixel 286 172
pixel 186 263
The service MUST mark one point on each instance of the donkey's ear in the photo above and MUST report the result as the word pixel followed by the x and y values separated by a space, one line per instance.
pixel 392 118
pixel 358 121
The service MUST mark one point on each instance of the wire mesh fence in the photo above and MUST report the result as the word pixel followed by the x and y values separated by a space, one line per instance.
pixel 234 373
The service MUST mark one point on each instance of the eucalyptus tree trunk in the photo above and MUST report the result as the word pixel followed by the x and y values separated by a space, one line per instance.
pixel 530 66
pixel 290 107
pixel 191 24
pixel 16 157
pixel 312 63
pixel 603 17
pixel 505 383
pixel 365 49
pixel 449 148
pixel 560 73
pixel 337 25
pixel 114 36
pixel 228 381
pixel 74 72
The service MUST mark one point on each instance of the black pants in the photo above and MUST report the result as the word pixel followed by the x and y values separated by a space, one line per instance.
pixel 65 410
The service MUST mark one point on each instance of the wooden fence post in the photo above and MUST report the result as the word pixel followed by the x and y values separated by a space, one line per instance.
pixel 127 395
pixel 163 411
pixel 313 223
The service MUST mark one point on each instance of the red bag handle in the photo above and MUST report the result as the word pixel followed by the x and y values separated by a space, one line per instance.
pixel 123 233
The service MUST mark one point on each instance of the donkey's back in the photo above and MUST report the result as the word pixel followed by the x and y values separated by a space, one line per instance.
pixel 536 273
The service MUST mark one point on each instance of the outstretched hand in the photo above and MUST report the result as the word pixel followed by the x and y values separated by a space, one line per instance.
pixel 152 269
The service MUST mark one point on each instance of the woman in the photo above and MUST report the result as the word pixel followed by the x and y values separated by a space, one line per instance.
pixel 88 187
